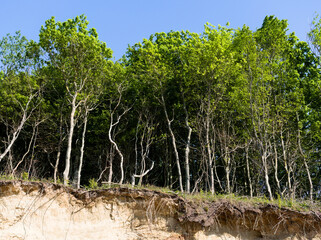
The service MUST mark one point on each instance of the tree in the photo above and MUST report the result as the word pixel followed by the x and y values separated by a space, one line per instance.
pixel 315 35
pixel 149 64
pixel 210 68
pixel 13 54
pixel 19 90
pixel 77 60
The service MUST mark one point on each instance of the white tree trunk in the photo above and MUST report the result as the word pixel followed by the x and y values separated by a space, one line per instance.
pixel 16 133
pixel 70 136
pixel 57 164
pixel 227 160
pixel 248 170
pixel 61 139
pixel 82 149
pixel 309 177
pixel 31 142
pixel 141 175
pixel 266 175
pixel 286 167
pixel 276 160
pixel 112 124
pixel 187 151
pixel 209 152
pixel 110 174
pixel 174 146
pixel 304 161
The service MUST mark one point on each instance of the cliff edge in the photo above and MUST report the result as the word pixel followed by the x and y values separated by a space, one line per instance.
pixel 35 210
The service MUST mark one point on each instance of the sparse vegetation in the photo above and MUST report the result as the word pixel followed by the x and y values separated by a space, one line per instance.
pixel 293 204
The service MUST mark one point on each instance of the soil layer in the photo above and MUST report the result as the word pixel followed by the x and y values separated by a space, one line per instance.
pixel 35 210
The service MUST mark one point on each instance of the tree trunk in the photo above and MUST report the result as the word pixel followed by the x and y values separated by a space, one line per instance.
pixel 266 175
pixel 286 167
pixel 248 170
pixel 141 175
pixel 276 161
pixel 111 158
pixel 227 171
pixel 136 152
pixel 70 136
pixel 61 139
pixel 309 177
pixel 57 163
pixel 304 161
pixel 32 142
pixel 209 151
pixel 16 133
pixel 187 151
pixel 174 146
pixel 82 148
pixel 112 124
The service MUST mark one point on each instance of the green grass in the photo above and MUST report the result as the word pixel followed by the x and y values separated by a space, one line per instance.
pixel 293 204
pixel 24 177
pixel 147 187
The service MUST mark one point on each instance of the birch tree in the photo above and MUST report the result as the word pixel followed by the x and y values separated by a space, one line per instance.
pixel 19 91
pixel 76 59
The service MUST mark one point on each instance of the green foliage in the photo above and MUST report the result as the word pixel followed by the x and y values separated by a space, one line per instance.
pixel 92 184
pixel 250 97
pixel 7 177
pixel 25 176
pixel 315 34
pixel 13 53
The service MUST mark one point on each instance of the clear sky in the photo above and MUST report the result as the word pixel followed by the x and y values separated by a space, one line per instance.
pixel 123 22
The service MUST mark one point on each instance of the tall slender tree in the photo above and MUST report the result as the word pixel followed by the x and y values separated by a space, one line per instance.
pixel 76 59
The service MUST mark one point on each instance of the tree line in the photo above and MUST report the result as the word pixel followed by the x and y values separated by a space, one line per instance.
pixel 224 111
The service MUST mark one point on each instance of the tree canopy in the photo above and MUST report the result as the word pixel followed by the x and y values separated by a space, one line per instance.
pixel 225 111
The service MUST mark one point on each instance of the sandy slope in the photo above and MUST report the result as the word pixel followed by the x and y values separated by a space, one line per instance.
pixel 34 211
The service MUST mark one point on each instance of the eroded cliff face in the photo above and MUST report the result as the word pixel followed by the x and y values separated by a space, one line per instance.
pixel 32 210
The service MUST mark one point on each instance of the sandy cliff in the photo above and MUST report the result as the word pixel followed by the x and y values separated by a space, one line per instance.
pixel 30 210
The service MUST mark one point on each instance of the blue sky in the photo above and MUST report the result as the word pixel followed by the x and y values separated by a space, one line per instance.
pixel 123 22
